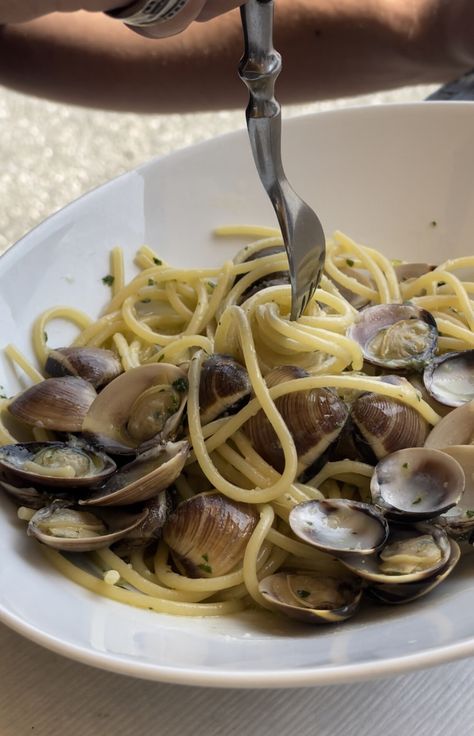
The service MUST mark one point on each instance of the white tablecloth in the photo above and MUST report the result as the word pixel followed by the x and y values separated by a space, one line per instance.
pixel 43 694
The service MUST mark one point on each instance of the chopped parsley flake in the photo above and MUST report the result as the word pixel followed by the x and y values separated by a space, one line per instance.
pixel 146 301
pixel 45 336
pixel 108 280
pixel 160 359
pixel 349 262
pixel 205 557
pixel 151 282
pixel 157 262
pixel 470 513
pixel 303 593
pixel 441 283
pixel 2 393
pixel 405 465
pixel 433 223
pixel 206 568
pixel 416 501
pixel 180 385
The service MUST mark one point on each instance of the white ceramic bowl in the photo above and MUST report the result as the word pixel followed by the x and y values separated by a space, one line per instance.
pixel 398 177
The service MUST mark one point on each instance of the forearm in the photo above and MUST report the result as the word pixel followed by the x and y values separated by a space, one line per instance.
pixel 330 48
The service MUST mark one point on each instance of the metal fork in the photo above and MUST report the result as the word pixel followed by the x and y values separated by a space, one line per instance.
pixel 302 231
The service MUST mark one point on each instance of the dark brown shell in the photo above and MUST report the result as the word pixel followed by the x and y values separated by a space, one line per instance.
pixel 96 365
pixel 314 419
pixel 223 385
pixel 387 424
pixel 208 534
pixel 59 404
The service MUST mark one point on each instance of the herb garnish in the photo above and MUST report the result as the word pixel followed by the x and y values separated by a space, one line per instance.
pixel 151 282
pixel 349 262
pixel 108 280
pixel 416 501
pixel 45 336
pixel 206 568
pixel 180 385
pixel 405 465
pixel 470 513
pixel 303 593
pixel 157 262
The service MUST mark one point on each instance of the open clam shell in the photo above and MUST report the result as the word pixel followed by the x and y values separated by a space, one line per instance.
pixel 398 593
pixel 396 336
pixel 410 554
pixel 312 597
pixel 339 526
pixel 450 378
pixel 456 428
pixel 459 520
pixel 143 404
pixel 74 530
pixel 58 404
pixel 142 479
pixel 95 365
pixel 56 464
pixel 416 484
pixel 208 534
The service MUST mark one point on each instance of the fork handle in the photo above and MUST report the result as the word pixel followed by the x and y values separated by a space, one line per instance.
pixel 259 70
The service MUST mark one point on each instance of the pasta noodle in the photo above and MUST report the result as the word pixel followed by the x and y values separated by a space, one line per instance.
pixel 181 316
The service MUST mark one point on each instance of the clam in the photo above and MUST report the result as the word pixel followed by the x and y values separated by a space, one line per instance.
pixel 223 388
pixel 27 495
pixel 450 378
pixel 397 593
pixel 339 527
pixel 144 404
pixel 312 597
pixel 456 428
pixel 95 365
pixel 396 336
pixel 208 534
pixel 58 404
pixel 144 478
pixel 417 483
pixel 275 278
pixel 362 277
pixel 73 530
pixel 409 271
pixel 150 529
pixel 459 520
pixel 387 425
pixel 56 464
pixel 314 418
pixel 413 561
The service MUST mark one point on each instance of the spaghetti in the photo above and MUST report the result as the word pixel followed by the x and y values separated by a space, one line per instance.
pixel 181 316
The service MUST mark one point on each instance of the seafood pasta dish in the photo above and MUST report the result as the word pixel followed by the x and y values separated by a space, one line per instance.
pixel 195 452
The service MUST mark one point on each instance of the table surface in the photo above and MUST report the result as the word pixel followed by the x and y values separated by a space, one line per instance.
pixel 59 153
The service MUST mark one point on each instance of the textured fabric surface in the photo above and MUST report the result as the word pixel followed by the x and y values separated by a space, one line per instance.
pixel 51 154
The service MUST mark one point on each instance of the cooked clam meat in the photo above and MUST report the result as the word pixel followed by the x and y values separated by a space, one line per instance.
pixel 396 336
pixel 69 464
pixel 405 556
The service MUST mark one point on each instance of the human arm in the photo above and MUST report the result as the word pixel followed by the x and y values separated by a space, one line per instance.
pixel 330 48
